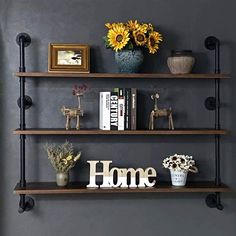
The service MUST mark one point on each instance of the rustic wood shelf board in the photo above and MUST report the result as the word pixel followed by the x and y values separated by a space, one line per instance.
pixel 116 132
pixel 116 75
pixel 78 188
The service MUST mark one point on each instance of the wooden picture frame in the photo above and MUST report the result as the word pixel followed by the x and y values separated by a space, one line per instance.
pixel 68 58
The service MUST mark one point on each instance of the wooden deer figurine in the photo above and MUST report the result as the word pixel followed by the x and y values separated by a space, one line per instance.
pixel 159 113
pixel 74 113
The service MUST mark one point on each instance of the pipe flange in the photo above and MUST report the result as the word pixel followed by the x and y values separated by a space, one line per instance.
pixel 27 101
pixel 25 37
pixel 213 201
pixel 210 103
pixel 211 42
pixel 29 205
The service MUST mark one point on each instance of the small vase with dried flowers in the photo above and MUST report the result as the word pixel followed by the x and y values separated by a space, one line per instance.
pixel 179 166
pixel 62 159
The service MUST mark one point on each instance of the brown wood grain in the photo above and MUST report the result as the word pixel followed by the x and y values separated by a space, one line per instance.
pixel 117 75
pixel 80 188
pixel 119 132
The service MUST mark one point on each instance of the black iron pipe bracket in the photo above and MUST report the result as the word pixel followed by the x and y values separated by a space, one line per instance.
pixel 213 201
pixel 23 37
pixel 211 42
pixel 210 103
pixel 24 102
pixel 26 203
pixel 213 103
pixel 27 102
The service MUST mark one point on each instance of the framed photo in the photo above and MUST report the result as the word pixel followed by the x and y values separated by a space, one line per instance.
pixel 68 58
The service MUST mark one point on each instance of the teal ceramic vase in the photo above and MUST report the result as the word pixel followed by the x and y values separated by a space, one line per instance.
pixel 129 61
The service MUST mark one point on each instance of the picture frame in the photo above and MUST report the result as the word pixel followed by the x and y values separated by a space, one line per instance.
pixel 68 58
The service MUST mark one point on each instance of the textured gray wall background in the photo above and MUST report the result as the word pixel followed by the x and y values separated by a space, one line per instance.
pixel 184 24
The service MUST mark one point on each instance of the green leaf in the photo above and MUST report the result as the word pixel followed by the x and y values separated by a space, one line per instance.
pixel 106 42
pixel 129 46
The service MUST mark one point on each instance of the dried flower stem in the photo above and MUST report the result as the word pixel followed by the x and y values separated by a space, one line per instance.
pixel 61 156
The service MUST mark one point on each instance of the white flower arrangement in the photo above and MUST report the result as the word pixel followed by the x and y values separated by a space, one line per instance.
pixel 182 163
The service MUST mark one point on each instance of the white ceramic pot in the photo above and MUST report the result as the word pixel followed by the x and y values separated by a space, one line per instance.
pixel 181 61
pixel 178 178
pixel 181 64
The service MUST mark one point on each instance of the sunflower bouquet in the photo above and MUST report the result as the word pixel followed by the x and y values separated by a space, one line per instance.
pixel 182 163
pixel 131 35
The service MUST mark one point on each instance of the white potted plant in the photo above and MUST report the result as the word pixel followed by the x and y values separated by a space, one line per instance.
pixel 179 166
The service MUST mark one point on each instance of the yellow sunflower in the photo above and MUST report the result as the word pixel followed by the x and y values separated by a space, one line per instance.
pixel 111 26
pixel 150 27
pixel 143 28
pixel 153 41
pixel 133 25
pixel 139 38
pixel 118 37
pixel 108 25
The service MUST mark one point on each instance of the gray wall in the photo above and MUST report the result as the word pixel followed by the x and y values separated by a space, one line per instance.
pixel 184 24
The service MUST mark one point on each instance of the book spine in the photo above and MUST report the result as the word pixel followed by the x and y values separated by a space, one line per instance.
pixel 104 110
pixel 133 109
pixel 114 111
pixel 127 108
pixel 121 109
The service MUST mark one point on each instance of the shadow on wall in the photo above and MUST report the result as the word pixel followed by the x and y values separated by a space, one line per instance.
pixel 230 107
pixel 1 133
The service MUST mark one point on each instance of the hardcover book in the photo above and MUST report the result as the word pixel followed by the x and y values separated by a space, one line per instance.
pixel 104 110
pixel 127 108
pixel 114 110
pixel 121 109
pixel 133 109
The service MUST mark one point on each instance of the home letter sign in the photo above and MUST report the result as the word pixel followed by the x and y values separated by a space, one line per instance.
pixel 122 176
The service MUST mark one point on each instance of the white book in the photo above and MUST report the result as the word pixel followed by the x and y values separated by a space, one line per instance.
pixel 121 110
pixel 104 110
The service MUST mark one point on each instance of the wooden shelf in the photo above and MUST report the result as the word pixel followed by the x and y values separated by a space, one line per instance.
pixel 78 188
pixel 116 132
pixel 116 75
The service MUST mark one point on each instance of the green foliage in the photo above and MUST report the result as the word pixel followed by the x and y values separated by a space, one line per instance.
pixel 129 46
pixel 106 42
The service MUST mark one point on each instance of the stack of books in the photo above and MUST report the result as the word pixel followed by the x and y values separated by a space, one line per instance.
pixel 118 109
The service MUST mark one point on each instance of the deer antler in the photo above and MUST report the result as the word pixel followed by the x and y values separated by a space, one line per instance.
pixel 155 96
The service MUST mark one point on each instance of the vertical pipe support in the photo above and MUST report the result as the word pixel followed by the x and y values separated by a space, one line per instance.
pixel 26 203
pixel 217 137
pixel 22 111
pixel 213 200
pixel 217 112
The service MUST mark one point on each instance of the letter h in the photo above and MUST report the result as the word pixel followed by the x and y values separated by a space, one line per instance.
pixel 93 174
